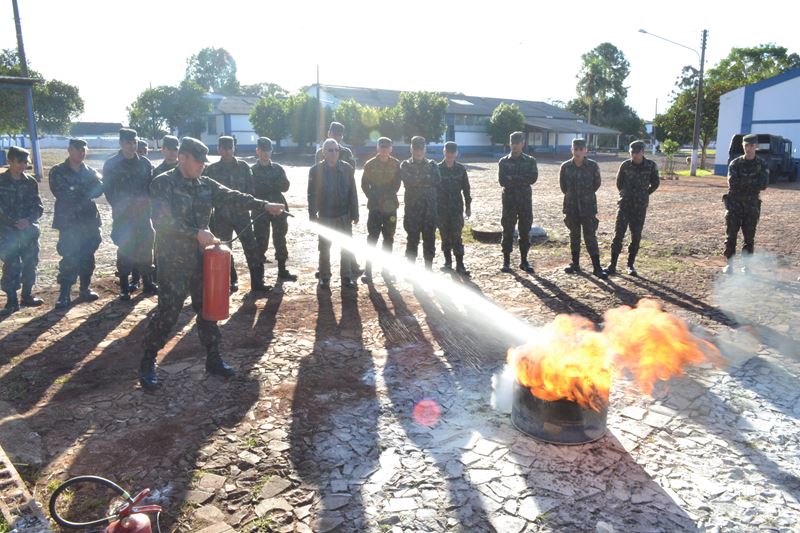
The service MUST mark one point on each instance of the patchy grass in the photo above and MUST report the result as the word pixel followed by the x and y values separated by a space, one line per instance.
pixel 4 527
pixel 700 172
pixel 256 488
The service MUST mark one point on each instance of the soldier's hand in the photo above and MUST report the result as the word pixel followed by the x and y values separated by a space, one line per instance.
pixel 22 223
pixel 205 238
pixel 468 212
pixel 355 220
pixel 274 209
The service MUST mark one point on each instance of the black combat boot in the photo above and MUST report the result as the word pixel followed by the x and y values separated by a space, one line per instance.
pixel 631 259
pixel 133 286
pixel 524 264
pixel 575 266
pixel 215 365
pixel 28 300
pixel 63 296
pixel 506 263
pixel 148 378
pixel 148 286
pixel 611 269
pixel 728 268
pixel 597 270
pixel 257 279
pixel 12 304
pixel 285 275
pixel 461 270
pixel 448 261
pixel 86 294
pixel 124 288
pixel 234 279
pixel 367 277
pixel 428 264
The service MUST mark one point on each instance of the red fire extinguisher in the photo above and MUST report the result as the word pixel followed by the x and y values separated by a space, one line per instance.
pixel 216 281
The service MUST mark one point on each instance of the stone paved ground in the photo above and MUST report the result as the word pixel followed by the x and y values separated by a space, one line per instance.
pixel 317 432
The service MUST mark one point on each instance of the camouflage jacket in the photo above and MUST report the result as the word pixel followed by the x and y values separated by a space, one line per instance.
pixel 182 207
pixel 75 193
pixel 421 179
pixel 18 199
pixel 516 175
pixel 164 167
pixel 345 155
pixel 636 183
pixel 235 175
pixel 380 183
pixel 126 184
pixel 270 182
pixel 453 185
pixel 332 191
pixel 746 179
pixel 579 185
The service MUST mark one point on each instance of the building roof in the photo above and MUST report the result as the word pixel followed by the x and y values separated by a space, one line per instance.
pixel 18 81
pixel 567 125
pixel 234 105
pixel 95 128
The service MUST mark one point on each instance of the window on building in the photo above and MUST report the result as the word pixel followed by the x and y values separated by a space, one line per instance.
pixel 212 125
pixel 538 138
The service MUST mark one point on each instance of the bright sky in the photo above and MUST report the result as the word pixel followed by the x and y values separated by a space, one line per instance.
pixel 527 50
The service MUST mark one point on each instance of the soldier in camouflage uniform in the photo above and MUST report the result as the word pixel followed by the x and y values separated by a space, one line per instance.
pixel 748 174
pixel 142 148
pixel 235 174
pixel 637 179
pixel 380 182
pixel 183 200
pixel 75 185
pixel 420 177
pixel 169 147
pixel 517 172
pixel 20 210
pixel 580 179
pixel 126 181
pixel 333 202
pixel 451 208
pixel 269 183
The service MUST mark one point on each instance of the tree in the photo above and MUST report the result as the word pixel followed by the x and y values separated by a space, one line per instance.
pixel 263 90
pixel 186 109
pixel 613 113
pixel 55 104
pixel 505 119
pixel 361 123
pixel 602 76
pixel 270 118
pixel 422 113
pixel 303 114
pixel 213 69
pixel 147 114
pixel 390 123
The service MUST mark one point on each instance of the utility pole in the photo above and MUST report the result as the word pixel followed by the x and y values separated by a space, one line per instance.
pixel 654 128
pixel 699 106
pixel 319 111
pixel 23 62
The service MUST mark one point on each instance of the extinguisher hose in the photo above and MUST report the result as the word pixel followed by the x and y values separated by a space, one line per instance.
pixel 250 226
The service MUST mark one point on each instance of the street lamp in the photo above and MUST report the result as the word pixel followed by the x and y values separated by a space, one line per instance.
pixel 699 105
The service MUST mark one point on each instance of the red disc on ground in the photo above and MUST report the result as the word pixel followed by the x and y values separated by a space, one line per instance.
pixel 427 413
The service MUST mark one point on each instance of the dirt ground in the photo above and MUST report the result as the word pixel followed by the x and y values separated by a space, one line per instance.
pixel 209 447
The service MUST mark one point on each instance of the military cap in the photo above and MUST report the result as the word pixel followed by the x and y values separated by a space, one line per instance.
pixel 225 142
pixel 384 142
pixel 516 137
pixel 127 134
pixel 450 146
pixel 170 142
pixel 417 141
pixel 194 148
pixel 77 143
pixel 18 154
pixel 636 147
pixel 141 143
pixel 751 138
pixel 337 128
pixel 578 143
pixel 264 143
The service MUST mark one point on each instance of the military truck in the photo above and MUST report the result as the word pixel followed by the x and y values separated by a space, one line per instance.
pixel 774 149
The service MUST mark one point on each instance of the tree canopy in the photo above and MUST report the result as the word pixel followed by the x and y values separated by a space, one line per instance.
pixel 505 119
pixel 602 76
pixel 166 108
pixel 270 118
pixel 213 69
pixel 422 113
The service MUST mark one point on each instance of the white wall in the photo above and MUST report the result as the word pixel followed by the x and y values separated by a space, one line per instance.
pixel 472 138
pixel 565 139
pixel 779 102
pixel 729 124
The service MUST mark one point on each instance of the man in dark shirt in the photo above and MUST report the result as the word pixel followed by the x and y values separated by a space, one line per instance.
pixel 420 177
pixel 517 171
pixel 451 208
pixel 380 182
pixel 169 147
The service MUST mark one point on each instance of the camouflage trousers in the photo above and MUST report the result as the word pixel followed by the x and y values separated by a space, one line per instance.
pixel 346 259
pixel 633 219
pixel 223 225
pixel 744 219
pixel 77 246
pixel 586 224
pixel 517 212
pixel 450 228
pixel 420 220
pixel 176 281
pixel 280 227
pixel 380 224
pixel 19 252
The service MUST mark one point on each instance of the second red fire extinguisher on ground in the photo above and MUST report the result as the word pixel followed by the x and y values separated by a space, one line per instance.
pixel 216 281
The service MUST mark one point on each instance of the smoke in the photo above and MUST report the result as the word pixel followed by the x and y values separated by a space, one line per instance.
pixel 503 389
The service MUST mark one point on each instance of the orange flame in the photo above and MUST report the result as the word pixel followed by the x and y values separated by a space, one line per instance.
pixel 572 360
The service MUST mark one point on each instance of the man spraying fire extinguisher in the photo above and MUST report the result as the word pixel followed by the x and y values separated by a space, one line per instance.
pixel 182 201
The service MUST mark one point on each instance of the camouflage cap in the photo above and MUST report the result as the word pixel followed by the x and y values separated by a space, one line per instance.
pixel 141 143
pixel 225 142
pixel 516 137
pixel 336 128
pixel 578 143
pixel 636 147
pixel 384 142
pixel 750 138
pixel 264 143
pixel 194 148
pixel 450 146
pixel 127 134
pixel 78 143
pixel 170 142
pixel 18 154
pixel 417 141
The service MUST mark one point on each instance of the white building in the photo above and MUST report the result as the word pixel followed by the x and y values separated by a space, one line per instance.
pixel 770 106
